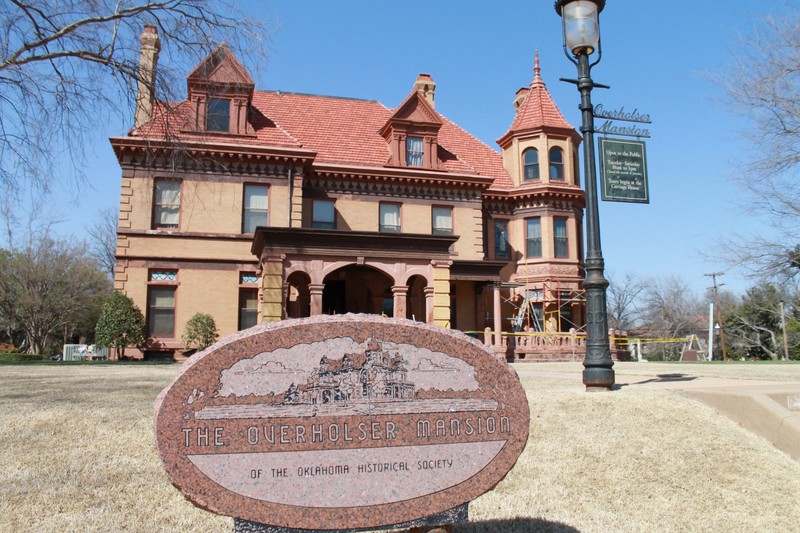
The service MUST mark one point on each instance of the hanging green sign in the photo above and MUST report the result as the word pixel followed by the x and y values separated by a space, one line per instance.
pixel 623 171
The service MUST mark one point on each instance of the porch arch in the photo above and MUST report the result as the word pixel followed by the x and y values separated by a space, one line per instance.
pixel 354 288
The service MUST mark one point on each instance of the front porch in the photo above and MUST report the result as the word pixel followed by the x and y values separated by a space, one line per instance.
pixel 551 347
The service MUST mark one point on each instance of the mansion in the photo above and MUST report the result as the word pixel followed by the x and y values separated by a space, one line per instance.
pixel 257 206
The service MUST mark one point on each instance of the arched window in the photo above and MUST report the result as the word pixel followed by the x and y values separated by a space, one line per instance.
pixel 530 160
pixel 556 164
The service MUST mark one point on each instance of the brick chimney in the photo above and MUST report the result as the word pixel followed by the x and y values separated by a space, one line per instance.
pixel 148 61
pixel 521 95
pixel 427 87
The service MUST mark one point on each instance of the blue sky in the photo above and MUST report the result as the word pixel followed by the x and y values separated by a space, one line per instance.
pixel 659 57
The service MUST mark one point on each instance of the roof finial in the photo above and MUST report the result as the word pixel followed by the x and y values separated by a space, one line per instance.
pixel 536 70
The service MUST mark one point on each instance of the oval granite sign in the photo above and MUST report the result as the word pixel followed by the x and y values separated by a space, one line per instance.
pixel 340 422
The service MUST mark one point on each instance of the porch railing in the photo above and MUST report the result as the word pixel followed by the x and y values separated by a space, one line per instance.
pixel 552 345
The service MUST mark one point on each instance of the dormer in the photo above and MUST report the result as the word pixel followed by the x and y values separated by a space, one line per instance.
pixel 220 92
pixel 412 132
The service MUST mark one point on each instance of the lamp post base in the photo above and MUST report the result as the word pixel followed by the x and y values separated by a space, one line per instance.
pixel 598 379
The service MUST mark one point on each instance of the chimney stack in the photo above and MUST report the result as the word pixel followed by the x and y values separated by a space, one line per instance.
pixel 148 62
pixel 520 98
pixel 427 87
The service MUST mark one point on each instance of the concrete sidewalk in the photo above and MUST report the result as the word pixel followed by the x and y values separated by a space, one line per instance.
pixel 768 408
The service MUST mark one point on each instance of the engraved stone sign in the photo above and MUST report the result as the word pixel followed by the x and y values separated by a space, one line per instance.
pixel 340 422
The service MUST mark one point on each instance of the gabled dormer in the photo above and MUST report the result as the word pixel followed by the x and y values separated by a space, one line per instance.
pixel 412 132
pixel 220 92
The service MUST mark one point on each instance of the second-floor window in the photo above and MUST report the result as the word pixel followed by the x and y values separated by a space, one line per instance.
pixel 389 218
pixel 560 241
pixel 218 117
pixel 556 164
pixel 256 203
pixel 501 239
pixel 533 237
pixel 323 214
pixel 166 204
pixel 530 161
pixel 442 220
pixel 414 151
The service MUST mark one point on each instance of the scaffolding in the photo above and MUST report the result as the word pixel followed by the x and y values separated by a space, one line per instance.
pixel 543 307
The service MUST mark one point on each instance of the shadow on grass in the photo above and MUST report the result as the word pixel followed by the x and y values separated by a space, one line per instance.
pixel 660 378
pixel 515 525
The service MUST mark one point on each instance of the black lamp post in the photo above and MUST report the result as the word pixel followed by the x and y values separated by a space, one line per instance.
pixel 581 30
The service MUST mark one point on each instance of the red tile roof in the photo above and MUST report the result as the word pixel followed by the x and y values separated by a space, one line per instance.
pixel 341 131
pixel 538 109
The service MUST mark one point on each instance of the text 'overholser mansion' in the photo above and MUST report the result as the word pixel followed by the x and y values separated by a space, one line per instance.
pixel 256 206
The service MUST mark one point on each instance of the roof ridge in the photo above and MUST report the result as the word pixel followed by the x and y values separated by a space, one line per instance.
pixel 292 93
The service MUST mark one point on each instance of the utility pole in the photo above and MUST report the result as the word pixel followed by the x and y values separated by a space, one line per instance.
pixel 785 340
pixel 713 276
pixel 711 331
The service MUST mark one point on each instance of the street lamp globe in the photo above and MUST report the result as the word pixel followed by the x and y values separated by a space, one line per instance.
pixel 580 19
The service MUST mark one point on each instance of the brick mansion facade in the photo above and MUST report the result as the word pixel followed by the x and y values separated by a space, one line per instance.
pixel 257 206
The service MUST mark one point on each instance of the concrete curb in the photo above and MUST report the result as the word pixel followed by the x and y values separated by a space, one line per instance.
pixel 762 410
pixel 770 409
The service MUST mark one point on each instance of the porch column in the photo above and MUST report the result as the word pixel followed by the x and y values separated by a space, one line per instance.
pixel 441 293
pixel 498 317
pixel 315 291
pixel 428 291
pixel 400 294
pixel 272 293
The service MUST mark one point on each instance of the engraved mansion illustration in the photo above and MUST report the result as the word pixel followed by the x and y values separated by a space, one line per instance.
pixel 372 376
pixel 338 377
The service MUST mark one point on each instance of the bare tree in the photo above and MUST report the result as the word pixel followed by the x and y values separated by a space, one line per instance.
pixel 671 310
pixel 66 67
pixel 764 85
pixel 624 306
pixel 49 287
pixel 103 239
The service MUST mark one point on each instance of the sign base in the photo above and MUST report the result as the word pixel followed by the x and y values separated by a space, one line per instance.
pixel 453 516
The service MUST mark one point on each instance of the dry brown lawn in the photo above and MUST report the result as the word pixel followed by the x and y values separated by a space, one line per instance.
pixel 77 455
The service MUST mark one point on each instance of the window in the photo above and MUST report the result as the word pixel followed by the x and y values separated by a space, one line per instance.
pixel 556 164
pixel 166 204
pixel 560 242
pixel 248 300
pixel 389 218
pixel 442 220
pixel 250 278
pixel 533 237
pixel 218 117
pixel 161 303
pixel 248 308
pixel 414 151
pixel 501 239
pixel 530 159
pixel 255 207
pixel 323 214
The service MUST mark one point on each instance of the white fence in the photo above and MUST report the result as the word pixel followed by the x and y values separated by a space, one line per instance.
pixel 84 352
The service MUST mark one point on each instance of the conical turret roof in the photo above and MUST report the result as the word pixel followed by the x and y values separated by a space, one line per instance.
pixel 538 110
